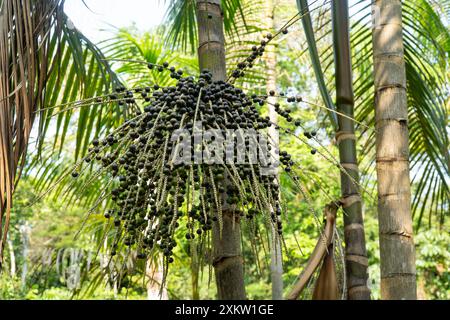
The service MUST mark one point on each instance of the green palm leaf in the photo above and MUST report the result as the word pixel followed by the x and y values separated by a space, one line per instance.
pixel 45 62
pixel 182 21
pixel 426 42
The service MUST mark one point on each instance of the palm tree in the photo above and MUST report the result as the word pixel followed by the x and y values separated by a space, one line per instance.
pixel 355 256
pixel 424 90
pixel 397 252
pixel 129 53
pixel 355 251
pixel 215 20
pixel 125 48
pixel 41 51
pixel 425 41
pixel 227 255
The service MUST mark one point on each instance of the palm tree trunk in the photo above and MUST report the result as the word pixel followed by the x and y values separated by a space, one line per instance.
pixel 227 255
pixel 355 249
pixel 25 231
pixel 397 253
pixel 12 258
pixel 276 266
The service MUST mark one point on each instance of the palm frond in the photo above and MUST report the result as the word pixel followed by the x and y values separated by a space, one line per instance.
pixel 45 62
pixel 182 21
pixel 130 53
pixel 426 42
pixel 315 59
pixel 24 49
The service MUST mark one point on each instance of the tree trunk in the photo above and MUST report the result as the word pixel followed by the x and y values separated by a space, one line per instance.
pixel 276 263
pixel 227 256
pixel 25 231
pixel 355 245
pixel 211 49
pixel 397 253
pixel 12 258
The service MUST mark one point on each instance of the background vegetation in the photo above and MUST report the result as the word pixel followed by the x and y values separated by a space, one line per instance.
pixel 43 259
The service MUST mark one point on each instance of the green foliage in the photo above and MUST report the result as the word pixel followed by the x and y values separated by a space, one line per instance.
pixel 182 21
pixel 433 263
pixel 130 51
pixel 432 260
pixel 51 269
pixel 10 289
pixel 426 42
pixel 58 217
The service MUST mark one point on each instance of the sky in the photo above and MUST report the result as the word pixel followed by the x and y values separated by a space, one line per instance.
pixel 96 19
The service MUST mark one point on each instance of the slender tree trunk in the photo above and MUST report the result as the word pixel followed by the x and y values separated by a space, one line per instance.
pixel 397 253
pixel 276 263
pixel 211 50
pixel 355 245
pixel 227 255
pixel 12 258
pixel 25 231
